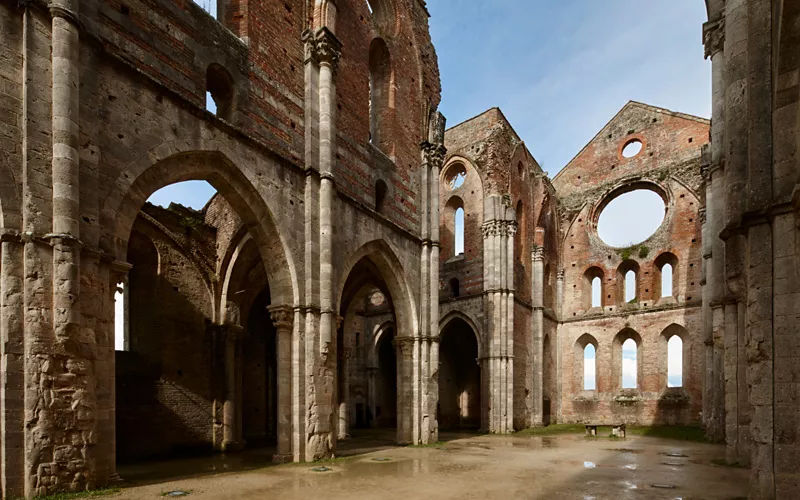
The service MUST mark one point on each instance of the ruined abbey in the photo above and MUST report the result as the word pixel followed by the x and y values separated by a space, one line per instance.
pixel 362 265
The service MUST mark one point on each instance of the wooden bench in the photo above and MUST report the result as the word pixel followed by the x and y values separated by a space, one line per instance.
pixel 617 430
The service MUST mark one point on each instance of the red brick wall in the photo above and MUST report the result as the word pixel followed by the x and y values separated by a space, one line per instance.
pixel 669 163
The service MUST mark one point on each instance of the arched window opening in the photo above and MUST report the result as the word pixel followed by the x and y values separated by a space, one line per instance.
pixel 589 368
pixel 458 225
pixel 380 195
pixel 630 287
pixel 629 364
pixel 597 292
pixel 455 288
pixel 379 94
pixel 675 362
pixel 593 288
pixel 666 263
pixel 666 280
pixel 219 91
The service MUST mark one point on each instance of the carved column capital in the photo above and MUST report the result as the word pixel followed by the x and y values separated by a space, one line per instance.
pixel 434 154
pixel 282 317
pixel 560 275
pixel 538 254
pixel 714 36
pixel 329 48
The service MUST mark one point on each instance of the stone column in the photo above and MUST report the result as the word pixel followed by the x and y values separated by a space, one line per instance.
pixel 283 319
pixel 434 154
pixel 559 345
pixel 372 372
pixel 537 334
pixel 230 439
pixel 344 397
pixel 323 51
pixel 404 347
pixel 12 366
pixel 508 372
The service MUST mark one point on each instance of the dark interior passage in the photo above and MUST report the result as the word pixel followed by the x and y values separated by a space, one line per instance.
pixel 459 378
pixel 386 382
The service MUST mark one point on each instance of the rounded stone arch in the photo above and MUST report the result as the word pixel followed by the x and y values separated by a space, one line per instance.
pixel 469 165
pixel 239 249
pixel 663 259
pixel 673 330
pixel 616 357
pixel 626 266
pixel 379 331
pixel 135 185
pixel 385 260
pixel 627 186
pixel 458 315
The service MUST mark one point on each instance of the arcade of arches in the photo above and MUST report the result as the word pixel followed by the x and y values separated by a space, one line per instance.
pixel 363 267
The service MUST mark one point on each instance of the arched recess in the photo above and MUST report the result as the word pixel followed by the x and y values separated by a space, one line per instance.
pixel 382 390
pixel 578 367
pixel 139 181
pixel 454 315
pixel 374 267
pixel 674 330
pixel 617 358
pixel 593 288
pixel 377 337
pixel 388 266
pixel 666 259
pixel 624 293
pixel 461 385
pixel 381 96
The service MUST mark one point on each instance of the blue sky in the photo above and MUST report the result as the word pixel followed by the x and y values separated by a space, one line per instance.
pixel 561 69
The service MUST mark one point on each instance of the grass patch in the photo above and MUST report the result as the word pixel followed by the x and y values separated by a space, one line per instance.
pixel 677 432
pixel 552 430
pixel 81 494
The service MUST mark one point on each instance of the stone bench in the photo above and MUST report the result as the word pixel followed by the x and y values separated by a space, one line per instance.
pixel 617 430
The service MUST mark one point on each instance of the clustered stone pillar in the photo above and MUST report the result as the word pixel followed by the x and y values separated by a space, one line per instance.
pixel 60 354
pixel 537 334
pixel 314 433
pixel 12 360
pixel 559 369
pixel 713 248
pixel 497 369
pixel 283 319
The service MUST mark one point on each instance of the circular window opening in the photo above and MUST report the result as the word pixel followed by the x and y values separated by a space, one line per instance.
pixel 455 176
pixel 632 148
pixel 631 218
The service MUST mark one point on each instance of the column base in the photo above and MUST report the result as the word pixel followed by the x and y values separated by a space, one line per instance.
pixel 115 478
pixel 282 459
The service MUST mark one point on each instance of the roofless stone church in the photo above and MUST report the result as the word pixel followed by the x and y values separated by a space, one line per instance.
pixel 363 266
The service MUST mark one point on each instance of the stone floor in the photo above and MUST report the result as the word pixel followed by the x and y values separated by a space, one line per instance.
pixel 472 467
